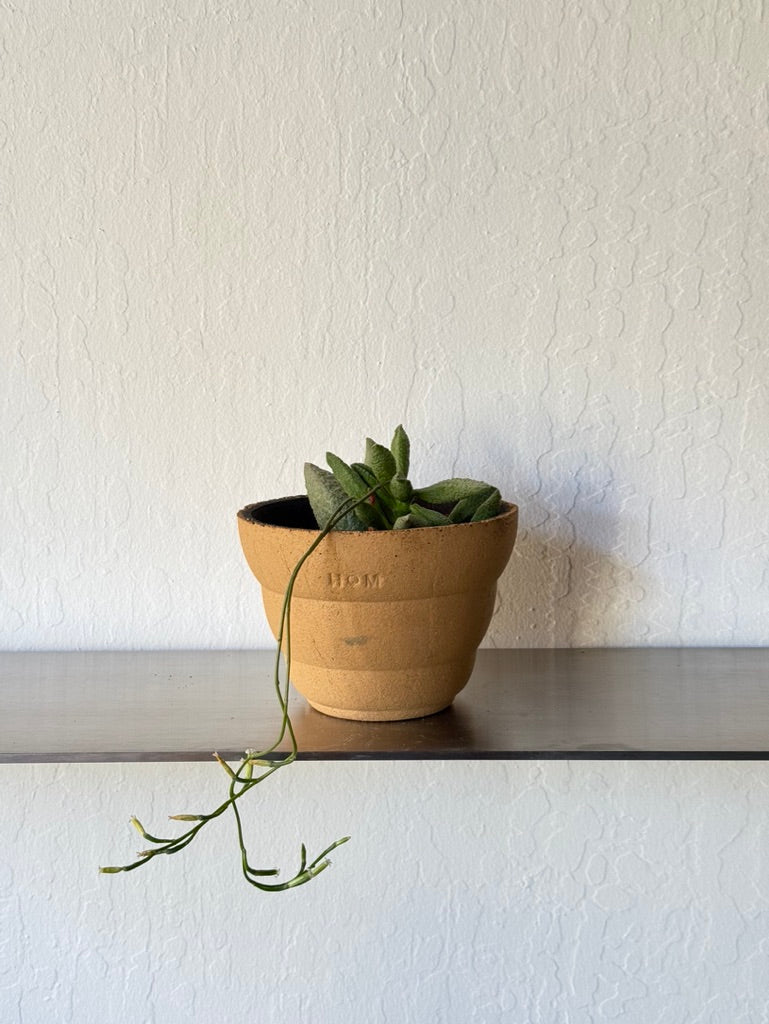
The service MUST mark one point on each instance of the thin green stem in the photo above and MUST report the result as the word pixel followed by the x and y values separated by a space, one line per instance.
pixel 261 758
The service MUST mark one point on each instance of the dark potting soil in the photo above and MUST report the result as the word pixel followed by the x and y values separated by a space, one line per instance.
pixel 293 513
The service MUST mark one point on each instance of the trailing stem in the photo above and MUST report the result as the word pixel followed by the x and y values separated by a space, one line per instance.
pixel 243 779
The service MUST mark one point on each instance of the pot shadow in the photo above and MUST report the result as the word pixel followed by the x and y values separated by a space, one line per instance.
pixel 448 733
pixel 570 583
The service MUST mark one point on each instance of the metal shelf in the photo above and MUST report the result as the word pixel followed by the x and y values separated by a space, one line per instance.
pixel 620 703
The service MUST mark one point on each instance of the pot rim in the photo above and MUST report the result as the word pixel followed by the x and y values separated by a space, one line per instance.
pixel 246 514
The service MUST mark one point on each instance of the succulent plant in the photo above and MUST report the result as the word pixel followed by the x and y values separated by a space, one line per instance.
pixel 375 494
pixel 388 501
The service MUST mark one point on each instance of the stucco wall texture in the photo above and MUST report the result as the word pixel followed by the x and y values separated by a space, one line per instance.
pixel 235 234
pixel 485 892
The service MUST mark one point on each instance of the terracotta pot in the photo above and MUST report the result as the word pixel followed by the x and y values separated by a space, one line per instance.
pixel 384 624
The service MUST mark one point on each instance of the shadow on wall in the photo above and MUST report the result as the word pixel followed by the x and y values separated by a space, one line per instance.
pixel 567 584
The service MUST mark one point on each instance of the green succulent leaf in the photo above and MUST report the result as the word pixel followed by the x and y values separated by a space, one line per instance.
pixel 489 508
pixel 395 501
pixel 326 495
pixel 427 517
pixel 373 515
pixel 400 446
pixel 401 488
pixel 465 509
pixel 381 460
pixel 351 482
pixel 366 473
pixel 403 522
pixel 387 507
pixel 446 492
pixel 369 512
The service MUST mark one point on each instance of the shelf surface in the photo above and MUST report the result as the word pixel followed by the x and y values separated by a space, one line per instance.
pixel 674 703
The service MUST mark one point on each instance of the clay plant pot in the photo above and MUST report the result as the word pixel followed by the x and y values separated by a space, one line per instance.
pixel 384 624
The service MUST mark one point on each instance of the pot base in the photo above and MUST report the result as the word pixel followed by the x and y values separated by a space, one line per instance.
pixel 355 715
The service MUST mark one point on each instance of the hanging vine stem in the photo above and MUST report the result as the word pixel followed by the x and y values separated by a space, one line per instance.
pixel 242 780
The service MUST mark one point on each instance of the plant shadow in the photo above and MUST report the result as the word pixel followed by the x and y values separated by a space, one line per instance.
pixel 569 582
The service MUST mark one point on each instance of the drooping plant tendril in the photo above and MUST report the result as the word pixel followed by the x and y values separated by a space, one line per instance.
pixel 243 779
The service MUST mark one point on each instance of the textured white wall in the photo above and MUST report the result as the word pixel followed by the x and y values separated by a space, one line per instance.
pixel 234 234
pixel 495 893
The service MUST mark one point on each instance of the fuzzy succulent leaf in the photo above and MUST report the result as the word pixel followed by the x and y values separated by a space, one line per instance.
pixel 381 460
pixel 388 508
pixel 465 509
pixel 401 488
pixel 351 482
pixel 372 516
pixel 488 508
pixel 403 522
pixel 366 472
pixel 326 495
pixel 400 447
pixel 446 492
pixel 369 512
pixel 427 517
pixel 386 497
